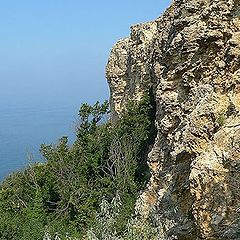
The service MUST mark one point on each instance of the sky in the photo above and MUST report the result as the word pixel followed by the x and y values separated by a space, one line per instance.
pixel 54 52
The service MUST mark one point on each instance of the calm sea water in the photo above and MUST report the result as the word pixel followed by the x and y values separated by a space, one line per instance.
pixel 23 129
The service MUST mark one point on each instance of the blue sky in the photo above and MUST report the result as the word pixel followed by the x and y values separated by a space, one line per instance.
pixel 54 52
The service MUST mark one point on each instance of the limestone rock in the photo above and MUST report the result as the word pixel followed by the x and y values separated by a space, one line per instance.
pixel 190 60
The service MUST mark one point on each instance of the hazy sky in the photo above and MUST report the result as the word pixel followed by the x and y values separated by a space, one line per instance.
pixel 55 51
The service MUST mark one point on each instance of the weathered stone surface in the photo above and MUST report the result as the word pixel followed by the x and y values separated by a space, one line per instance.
pixel 190 59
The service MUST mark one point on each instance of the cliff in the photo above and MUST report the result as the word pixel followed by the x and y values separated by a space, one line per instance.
pixel 189 60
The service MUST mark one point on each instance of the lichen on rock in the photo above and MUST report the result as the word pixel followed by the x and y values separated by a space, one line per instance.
pixel 190 58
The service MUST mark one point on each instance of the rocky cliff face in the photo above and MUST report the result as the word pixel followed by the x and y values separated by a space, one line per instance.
pixel 190 59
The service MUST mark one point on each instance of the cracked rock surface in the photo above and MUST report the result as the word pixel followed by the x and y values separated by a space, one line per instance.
pixel 190 59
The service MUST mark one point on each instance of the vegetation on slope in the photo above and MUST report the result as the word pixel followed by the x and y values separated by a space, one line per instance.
pixel 62 196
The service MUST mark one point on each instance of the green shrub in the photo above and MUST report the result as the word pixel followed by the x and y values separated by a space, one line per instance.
pixel 64 193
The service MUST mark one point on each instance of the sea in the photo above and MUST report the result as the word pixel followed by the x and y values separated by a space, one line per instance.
pixel 23 128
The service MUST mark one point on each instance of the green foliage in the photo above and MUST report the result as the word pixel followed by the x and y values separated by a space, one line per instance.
pixel 221 119
pixel 135 229
pixel 63 195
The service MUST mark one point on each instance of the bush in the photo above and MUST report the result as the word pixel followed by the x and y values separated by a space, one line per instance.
pixel 135 229
pixel 64 193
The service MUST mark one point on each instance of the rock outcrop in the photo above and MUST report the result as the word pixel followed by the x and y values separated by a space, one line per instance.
pixel 190 60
